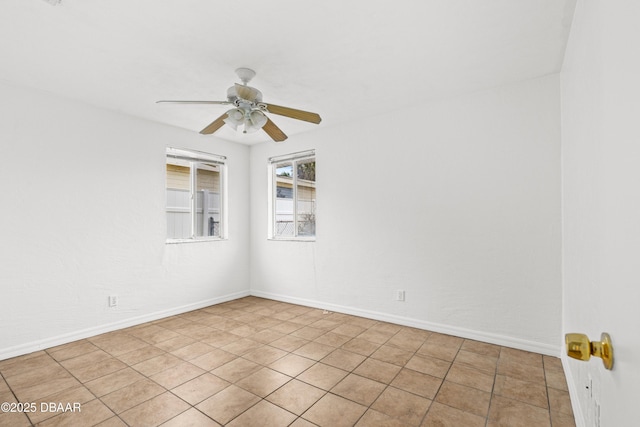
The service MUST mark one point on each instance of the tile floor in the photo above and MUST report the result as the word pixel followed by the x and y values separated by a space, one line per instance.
pixel 257 362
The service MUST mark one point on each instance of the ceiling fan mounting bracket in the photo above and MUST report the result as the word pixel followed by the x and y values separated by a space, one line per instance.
pixel 245 74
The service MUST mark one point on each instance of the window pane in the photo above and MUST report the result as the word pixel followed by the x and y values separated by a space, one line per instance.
pixel 306 194
pixel 178 200
pixel 284 225
pixel 207 194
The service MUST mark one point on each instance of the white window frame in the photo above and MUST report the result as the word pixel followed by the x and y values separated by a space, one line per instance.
pixel 295 158
pixel 195 159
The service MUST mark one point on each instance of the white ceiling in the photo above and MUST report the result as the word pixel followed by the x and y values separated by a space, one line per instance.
pixel 344 59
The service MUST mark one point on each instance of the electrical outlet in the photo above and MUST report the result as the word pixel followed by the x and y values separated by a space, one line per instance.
pixel 399 295
pixel 113 300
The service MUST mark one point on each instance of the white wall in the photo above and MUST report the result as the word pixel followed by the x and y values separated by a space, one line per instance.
pixel 82 217
pixel 456 202
pixel 601 205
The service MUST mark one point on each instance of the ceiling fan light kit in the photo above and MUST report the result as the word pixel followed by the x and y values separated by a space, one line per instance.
pixel 250 110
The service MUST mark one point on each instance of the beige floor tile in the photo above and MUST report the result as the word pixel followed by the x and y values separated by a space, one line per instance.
pixel 114 421
pixel 308 333
pixel 114 381
pixel 71 350
pixel 157 364
pixel 140 355
pixel 391 354
pixel 376 336
pixel 438 351
pixel 417 383
pixel 552 363
pixel 464 398
pixel 360 346
pixel 562 420
pixel 155 411
pixel 524 391
pixel 39 383
pixel 191 418
pixel 22 360
pixel 193 350
pixel 445 340
pixel 348 330
pixel 175 343
pixel 292 364
pixel 559 401
pixel 407 340
pixel 465 375
pixel 332 339
pixel 358 389
pixel 179 374
pixel 215 338
pixel 263 414
pixel 378 370
pixel 429 365
pixel 402 405
pixel 200 388
pixel 213 359
pixel 556 379
pixel 481 362
pixel 265 355
pixel 263 382
pixel 301 422
pixel 512 355
pixel 314 350
pixel 286 327
pixel 242 346
pixel 305 362
pixel 521 371
pixel 481 348
pixel 289 343
pixel 14 419
pixel 132 395
pixel 512 413
pixel 334 411
pixel 322 376
pixel 236 369
pixel 88 359
pixel 326 324
pixel 374 418
pixel 343 359
pixel 227 404
pixel 90 413
pixel 73 395
pixel 266 336
pixel 97 370
pixel 117 343
pixel 440 415
pixel 296 396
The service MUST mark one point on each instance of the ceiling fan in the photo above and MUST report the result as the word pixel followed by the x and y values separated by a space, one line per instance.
pixel 249 110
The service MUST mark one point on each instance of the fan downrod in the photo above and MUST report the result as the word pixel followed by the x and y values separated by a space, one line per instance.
pixel 245 75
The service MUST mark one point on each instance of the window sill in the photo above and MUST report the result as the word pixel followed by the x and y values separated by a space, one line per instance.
pixel 292 239
pixel 179 241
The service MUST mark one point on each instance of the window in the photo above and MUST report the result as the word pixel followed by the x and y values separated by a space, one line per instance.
pixel 293 196
pixel 195 195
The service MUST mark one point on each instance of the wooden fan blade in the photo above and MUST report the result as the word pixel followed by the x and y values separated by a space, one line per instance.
pixel 293 113
pixel 194 102
pixel 274 131
pixel 215 125
pixel 247 92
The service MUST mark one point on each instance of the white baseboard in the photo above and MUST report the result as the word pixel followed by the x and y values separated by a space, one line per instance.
pixel 501 340
pixel 497 339
pixel 30 347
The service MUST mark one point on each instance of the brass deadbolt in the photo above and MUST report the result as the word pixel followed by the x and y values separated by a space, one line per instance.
pixel 579 347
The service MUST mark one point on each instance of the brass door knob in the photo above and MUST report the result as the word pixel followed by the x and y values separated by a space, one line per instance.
pixel 579 347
